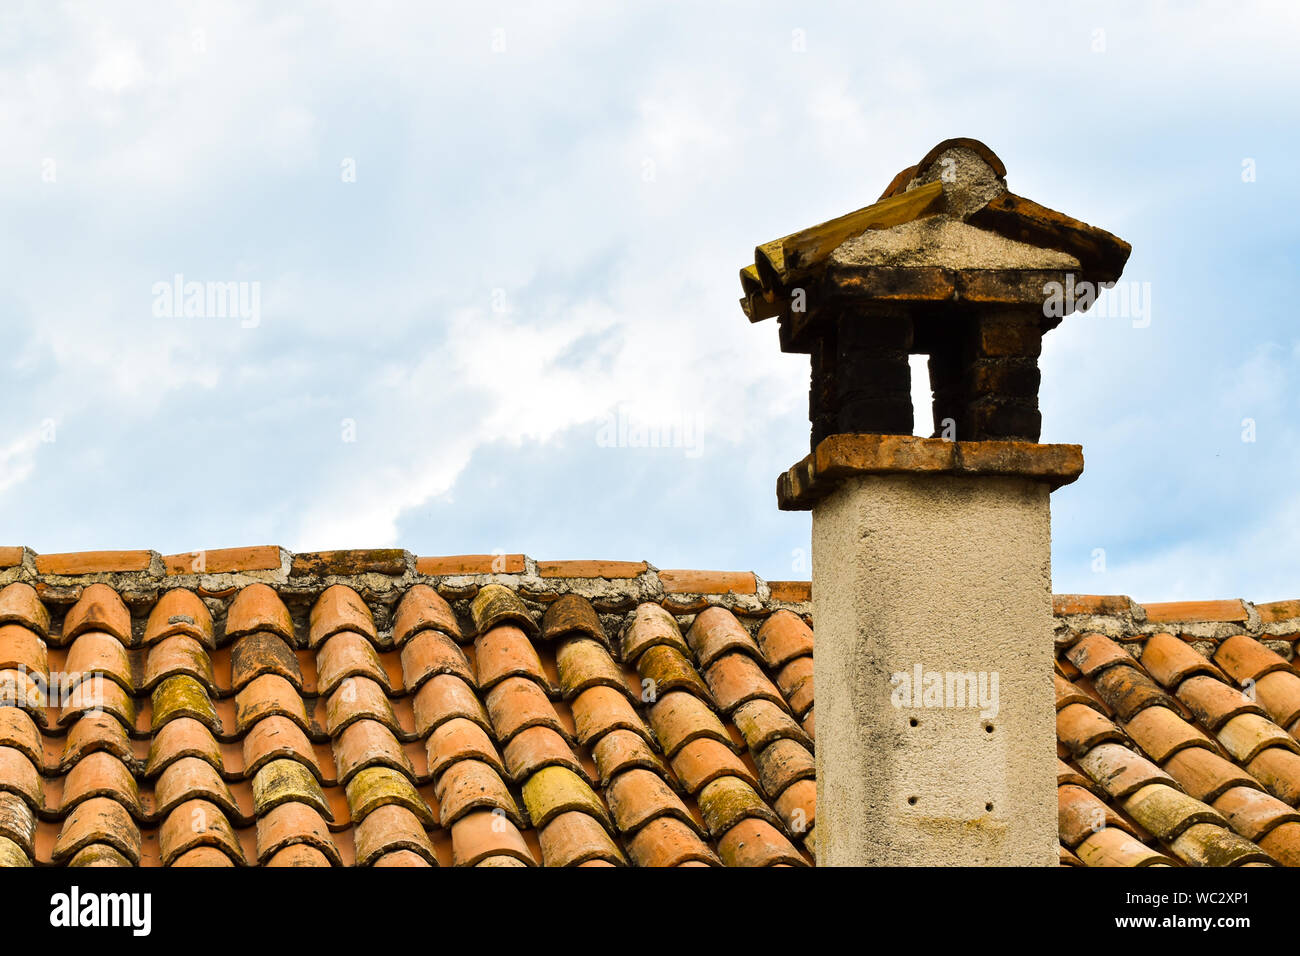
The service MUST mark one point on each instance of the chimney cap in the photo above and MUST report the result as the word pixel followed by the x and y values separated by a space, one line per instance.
pixel 944 229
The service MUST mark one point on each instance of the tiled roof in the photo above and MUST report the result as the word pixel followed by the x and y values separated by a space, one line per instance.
pixel 1177 729
pixel 252 706
pixel 257 707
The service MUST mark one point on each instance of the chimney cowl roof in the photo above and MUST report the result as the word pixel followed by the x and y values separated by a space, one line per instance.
pixel 937 224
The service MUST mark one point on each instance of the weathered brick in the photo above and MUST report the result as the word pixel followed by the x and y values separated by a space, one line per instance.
pixel 590 569
pixel 93 562
pixel 390 561
pixel 1064 604
pixel 708 582
pixel 471 564
pixel 224 560
pixel 793 592
pixel 1196 612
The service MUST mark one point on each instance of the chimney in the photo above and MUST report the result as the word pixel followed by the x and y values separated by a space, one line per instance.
pixel 932 586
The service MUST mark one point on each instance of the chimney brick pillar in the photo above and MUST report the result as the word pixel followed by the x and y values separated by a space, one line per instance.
pixel 932 585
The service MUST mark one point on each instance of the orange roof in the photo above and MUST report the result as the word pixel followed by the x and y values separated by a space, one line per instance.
pixel 372 707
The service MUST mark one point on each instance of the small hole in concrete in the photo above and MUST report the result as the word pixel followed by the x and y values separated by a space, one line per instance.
pixel 913 722
pixel 988 807
pixel 912 801
pixel 988 728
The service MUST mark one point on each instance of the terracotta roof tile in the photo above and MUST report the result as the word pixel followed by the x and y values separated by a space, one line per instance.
pixel 387 828
pixel 1215 703
pixel 174 655
pixel 572 615
pixel 368 743
pixel 258 608
pixel 348 655
pixel 1111 846
pixel 1245 735
pixel 704 760
pixel 679 717
pixel 461 739
pixel 1205 774
pixel 1127 690
pixel 22 648
pixel 443 697
pixel 537 747
pixel 357 698
pixel 1120 771
pixel 582 663
pixel 727 800
pixel 495 604
pixel 477 836
pixel 1244 658
pixel 754 842
pixel 792 592
pixel 796 682
pixel 716 632
pixel 782 763
pixel 98 820
pixel 262 652
pixel 598 710
pixel 1093 653
pixel 20 604
pixel 473 785
pixel 663 668
pixel 651 625
pixel 1081 728
pixel 762 723
pixel 666 841
pixel 1208 845
pixel 189 778
pixel 573 837
pixel 783 637
pixel 271 738
pixel 1171 661
pixel 99 609
pixel 1254 813
pixel 518 703
pixel 505 651
pixel 339 609
pixel 1161 733
pixel 1279 692
pixel 621 750
pixel 737 678
pixel 638 796
pixel 422 608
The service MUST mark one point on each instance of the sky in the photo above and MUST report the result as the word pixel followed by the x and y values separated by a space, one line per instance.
pixel 478 255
